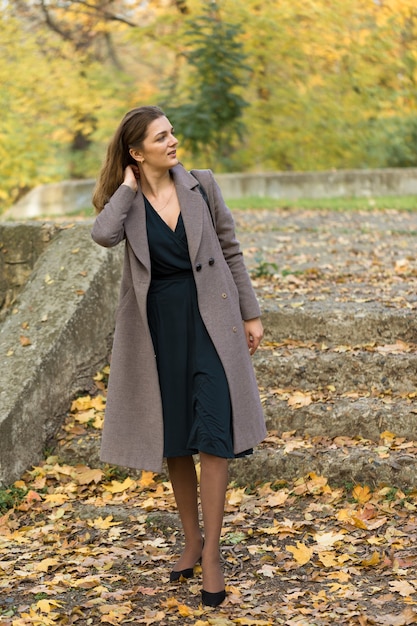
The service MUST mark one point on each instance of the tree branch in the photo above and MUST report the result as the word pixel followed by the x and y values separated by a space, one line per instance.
pixel 105 13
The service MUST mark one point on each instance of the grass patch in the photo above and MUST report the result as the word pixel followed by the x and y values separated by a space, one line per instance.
pixel 254 203
pixel 401 203
pixel 11 497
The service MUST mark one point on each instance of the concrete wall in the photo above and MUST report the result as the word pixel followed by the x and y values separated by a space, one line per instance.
pixel 70 196
pixel 329 184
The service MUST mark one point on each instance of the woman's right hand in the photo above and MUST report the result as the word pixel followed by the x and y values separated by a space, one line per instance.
pixel 131 177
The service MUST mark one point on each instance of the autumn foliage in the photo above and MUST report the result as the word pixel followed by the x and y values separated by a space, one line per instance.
pixel 325 85
pixel 87 544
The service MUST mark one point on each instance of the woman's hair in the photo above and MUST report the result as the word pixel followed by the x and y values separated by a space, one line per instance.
pixel 130 134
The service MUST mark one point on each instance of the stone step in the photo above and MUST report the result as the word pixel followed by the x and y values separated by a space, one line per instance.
pixel 338 277
pixel 339 464
pixel 338 417
pixel 379 369
pixel 388 460
pixel 338 323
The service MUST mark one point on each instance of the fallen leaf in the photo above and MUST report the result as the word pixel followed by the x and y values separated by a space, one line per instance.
pixel 302 553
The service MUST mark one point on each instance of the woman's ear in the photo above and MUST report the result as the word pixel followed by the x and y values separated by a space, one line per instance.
pixel 135 154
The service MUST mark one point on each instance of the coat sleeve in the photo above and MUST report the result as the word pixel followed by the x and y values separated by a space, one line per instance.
pixel 225 228
pixel 108 228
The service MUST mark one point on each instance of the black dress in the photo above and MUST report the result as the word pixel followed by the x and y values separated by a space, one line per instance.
pixel 194 389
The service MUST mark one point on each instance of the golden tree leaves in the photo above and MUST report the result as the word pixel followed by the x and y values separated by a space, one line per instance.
pixel 325 78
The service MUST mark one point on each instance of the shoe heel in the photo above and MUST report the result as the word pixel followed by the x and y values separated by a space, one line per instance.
pixel 213 599
pixel 184 573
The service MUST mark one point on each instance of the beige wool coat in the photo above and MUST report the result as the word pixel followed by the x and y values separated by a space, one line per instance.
pixel 133 425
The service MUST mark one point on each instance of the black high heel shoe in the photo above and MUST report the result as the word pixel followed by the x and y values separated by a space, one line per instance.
pixel 188 573
pixel 184 573
pixel 213 599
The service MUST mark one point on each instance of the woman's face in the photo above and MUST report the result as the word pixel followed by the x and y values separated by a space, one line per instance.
pixel 159 148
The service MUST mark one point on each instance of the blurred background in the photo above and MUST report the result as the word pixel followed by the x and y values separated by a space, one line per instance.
pixel 250 85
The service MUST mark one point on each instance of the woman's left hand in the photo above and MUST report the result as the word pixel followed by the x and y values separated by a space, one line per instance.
pixel 254 332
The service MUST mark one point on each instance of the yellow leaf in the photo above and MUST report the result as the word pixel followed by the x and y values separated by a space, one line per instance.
pixel 328 559
pixel 348 516
pixel 344 577
pixel 278 498
pixel 98 403
pixel 118 487
pixel 81 404
pixel 184 610
pixel 103 524
pixel 45 605
pixel 302 553
pixel 246 621
pixel 388 436
pixel 148 504
pixel 358 523
pixel 403 587
pixel 146 480
pixel 45 564
pixel 55 499
pixel 328 539
pixel 362 494
pixel 299 399
pixel 98 421
pixel 268 570
pixel 89 582
pixel 372 561
pixel 83 417
pixel 236 496
pixel 88 476
pixel 343 349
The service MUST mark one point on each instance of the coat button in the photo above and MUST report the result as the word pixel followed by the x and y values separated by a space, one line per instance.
pixel 224 295
pixel 234 329
pixel 198 267
pixel 211 261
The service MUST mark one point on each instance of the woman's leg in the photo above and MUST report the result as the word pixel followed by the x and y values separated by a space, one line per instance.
pixel 184 483
pixel 213 484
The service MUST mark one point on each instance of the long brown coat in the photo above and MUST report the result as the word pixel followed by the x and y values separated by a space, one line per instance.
pixel 133 426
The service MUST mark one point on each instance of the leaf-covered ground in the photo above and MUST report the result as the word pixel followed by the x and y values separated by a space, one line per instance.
pixel 88 545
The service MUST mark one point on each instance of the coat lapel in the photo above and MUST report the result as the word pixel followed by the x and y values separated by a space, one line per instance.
pixel 192 208
pixel 135 229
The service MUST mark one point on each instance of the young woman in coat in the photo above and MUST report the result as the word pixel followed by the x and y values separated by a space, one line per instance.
pixel 187 323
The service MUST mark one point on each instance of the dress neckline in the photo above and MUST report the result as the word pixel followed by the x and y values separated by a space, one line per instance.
pixel 172 230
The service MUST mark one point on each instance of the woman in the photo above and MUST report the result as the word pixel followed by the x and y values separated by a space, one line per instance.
pixel 181 380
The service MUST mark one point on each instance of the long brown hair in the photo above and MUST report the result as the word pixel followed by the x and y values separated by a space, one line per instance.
pixel 130 134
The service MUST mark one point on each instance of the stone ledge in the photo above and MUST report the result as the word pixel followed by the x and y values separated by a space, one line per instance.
pixel 20 247
pixel 338 323
pixel 344 417
pixel 65 316
pixel 340 467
